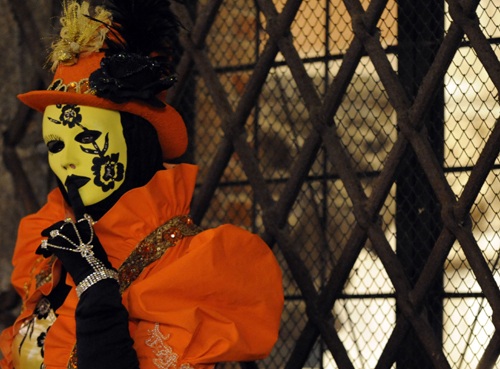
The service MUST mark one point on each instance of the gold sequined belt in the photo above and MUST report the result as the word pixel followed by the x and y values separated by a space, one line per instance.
pixel 154 246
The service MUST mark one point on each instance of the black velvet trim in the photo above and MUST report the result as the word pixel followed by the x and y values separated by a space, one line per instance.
pixel 59 293
pixel 102 334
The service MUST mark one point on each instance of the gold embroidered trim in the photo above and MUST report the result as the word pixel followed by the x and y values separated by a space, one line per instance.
pixel 72 363
pixel 165 357
pixel 27 284
pixel 45 275
pixel 79 87
pixel 150 249
pixel 154 246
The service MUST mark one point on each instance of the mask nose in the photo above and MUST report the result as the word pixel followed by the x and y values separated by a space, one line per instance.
pixel 68 160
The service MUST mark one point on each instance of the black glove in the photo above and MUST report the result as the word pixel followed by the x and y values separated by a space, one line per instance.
pixel 78 247
pixel 103 338
pixel 102 333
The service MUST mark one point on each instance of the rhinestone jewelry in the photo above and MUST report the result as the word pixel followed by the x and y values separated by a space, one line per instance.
pixel 45 243
pixel 95 277
pixel 85 250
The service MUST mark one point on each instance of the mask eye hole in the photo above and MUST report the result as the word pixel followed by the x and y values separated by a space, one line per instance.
pixel 55 146
pixel 87 137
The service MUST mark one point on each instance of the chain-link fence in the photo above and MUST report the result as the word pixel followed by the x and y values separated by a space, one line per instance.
pixel 360 140
pixel 356 137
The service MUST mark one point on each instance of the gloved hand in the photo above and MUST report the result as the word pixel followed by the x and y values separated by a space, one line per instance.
pixel 78 248
pixel 102 323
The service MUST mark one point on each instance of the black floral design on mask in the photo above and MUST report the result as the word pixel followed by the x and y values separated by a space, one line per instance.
pixel 106 168
pixel 70 116
pixel 107 171
pixel 40 341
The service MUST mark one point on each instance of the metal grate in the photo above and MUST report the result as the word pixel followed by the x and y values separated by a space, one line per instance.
pixel 360 140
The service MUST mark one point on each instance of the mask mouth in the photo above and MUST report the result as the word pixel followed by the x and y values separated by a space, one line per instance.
pixel 78 181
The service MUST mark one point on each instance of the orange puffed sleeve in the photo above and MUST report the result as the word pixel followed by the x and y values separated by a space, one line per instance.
pixel 219 299
pixel 27 264
pixel 29 238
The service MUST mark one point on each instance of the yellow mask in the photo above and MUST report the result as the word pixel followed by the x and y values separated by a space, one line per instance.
pixel 88 144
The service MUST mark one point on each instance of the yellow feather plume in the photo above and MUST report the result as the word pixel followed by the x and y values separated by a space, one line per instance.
pixel 79 33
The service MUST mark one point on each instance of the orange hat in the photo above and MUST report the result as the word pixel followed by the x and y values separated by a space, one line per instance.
pixel 71 86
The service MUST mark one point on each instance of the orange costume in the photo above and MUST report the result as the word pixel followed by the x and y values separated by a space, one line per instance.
pixel 194 297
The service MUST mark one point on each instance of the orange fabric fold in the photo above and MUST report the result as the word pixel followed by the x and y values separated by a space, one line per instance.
pixel 220 301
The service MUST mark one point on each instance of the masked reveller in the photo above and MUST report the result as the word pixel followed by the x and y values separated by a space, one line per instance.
pixel 112 271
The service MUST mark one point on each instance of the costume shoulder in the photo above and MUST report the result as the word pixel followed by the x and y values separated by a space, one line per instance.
pixel 29 237
pixel 220 300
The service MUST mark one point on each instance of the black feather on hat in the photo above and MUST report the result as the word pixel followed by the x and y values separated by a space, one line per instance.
pixel 139 49
pixel 146 26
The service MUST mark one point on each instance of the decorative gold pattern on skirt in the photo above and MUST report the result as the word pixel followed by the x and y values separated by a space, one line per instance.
pixel 72 359
pixel 27 284
pixel 166 358
pixel 150 249
pixel 45 275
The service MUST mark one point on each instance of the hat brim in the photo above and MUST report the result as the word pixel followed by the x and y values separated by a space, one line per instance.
pixel 167 121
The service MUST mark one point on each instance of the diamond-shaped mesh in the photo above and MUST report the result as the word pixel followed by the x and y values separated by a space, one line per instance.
pixel 366 121
pixel 468 328
pixel 360 139
pixel 364 327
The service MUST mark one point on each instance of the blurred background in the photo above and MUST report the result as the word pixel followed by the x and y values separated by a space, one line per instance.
pixel 342 132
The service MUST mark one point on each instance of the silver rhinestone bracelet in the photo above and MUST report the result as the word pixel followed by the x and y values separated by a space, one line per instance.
pixel 95 277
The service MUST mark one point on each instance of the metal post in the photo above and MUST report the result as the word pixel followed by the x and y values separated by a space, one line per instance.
pixel 418 221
